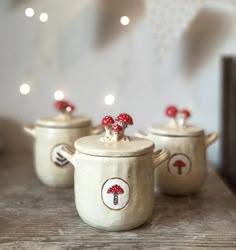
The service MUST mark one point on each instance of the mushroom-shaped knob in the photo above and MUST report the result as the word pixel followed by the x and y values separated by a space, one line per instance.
pixel 61 104
pixel 107 120
pixel 125 119
pixel 116 128
pixel 117 131
pixel 171 111
pixel 64 106
pixel 185 112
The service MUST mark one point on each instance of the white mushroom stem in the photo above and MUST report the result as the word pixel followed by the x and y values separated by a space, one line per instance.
pixel 107 130
pixel 182 121
pixel 116 135
pixel 173 122
pixel 123 125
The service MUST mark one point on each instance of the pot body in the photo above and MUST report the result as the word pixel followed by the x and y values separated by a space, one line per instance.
pixel 114 193
pixel 185 171
pixel 51 167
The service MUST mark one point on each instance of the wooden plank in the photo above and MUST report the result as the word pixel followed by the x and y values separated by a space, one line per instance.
pixel 33 216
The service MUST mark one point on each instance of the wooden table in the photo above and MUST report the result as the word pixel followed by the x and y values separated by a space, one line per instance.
pixel 33 216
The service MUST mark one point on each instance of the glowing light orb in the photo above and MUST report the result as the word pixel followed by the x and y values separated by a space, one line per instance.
pixel 24 89
pixel 124 20
pixel 109 99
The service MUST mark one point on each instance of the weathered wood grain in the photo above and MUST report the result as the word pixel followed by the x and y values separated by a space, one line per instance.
pixel 33 216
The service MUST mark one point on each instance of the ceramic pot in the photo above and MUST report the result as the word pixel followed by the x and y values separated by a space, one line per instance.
pixel 185 171
pixel 114 180
pixel 50 135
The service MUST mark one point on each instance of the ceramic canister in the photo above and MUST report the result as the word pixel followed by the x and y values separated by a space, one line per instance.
pixel 185 171
pixel 50 134
pixel 114 180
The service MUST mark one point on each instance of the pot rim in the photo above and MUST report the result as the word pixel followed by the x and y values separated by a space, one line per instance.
pixel 94 146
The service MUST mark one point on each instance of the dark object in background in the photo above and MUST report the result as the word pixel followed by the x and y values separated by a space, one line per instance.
pixel 229 121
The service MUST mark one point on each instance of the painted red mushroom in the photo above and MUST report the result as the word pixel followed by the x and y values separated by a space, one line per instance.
pixel 185 113
pixel 172 111
pixel 115 190
pixel 179 164
pixel 107 122
pixel 124 120
pixel 117 131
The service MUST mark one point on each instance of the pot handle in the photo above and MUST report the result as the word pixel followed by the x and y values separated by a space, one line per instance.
pixel 210 138
pixel 69 153
pixel 159 156
pixel 140 134
pixel 30 129
pixel 97 130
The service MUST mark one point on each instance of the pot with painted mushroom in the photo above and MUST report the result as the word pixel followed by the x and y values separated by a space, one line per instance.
pixel 185 171
pixel 114 177
pixel 51 134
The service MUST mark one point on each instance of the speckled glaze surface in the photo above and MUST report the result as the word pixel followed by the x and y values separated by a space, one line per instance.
pixel 192 152
pixel 114 180
pixel 185 171
pixel 51 134
pixel 134 206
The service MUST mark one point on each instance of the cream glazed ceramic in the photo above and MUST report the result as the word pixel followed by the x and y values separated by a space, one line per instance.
pixel 185 171
pixel 114 179
pixel 52 133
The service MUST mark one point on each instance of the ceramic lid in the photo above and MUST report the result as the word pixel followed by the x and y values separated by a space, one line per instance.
pixel 97 146
pixel 177 125
pixel 64 119
pixel 167 130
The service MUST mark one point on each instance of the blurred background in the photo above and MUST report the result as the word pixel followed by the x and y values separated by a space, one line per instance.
pixel 110 56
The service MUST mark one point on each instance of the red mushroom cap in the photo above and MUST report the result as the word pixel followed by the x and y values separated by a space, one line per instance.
pixel 171 111
pixel 107 120
pixel 116 127
pixel 61 104
pixel 179 163
pixel 115 189
pixel 123 117
pixel 185 112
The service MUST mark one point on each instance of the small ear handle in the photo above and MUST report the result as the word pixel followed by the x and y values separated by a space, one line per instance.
pixel 30 129
pixel 159 156
pixel 69 153
pixel 97 130
pixel 210 138
pixel 140 134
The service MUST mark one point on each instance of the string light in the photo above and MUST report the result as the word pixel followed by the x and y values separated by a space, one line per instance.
pixel 29 12
pixel 58 95
pixel 24 89
pixel 43 17
pixel 109 99
pixel 124 20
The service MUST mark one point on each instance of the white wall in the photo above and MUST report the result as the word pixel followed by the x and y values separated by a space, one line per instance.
pixel 85 52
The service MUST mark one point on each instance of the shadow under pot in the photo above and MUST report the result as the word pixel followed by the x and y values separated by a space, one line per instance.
pixel 114 180
pixel 51 134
